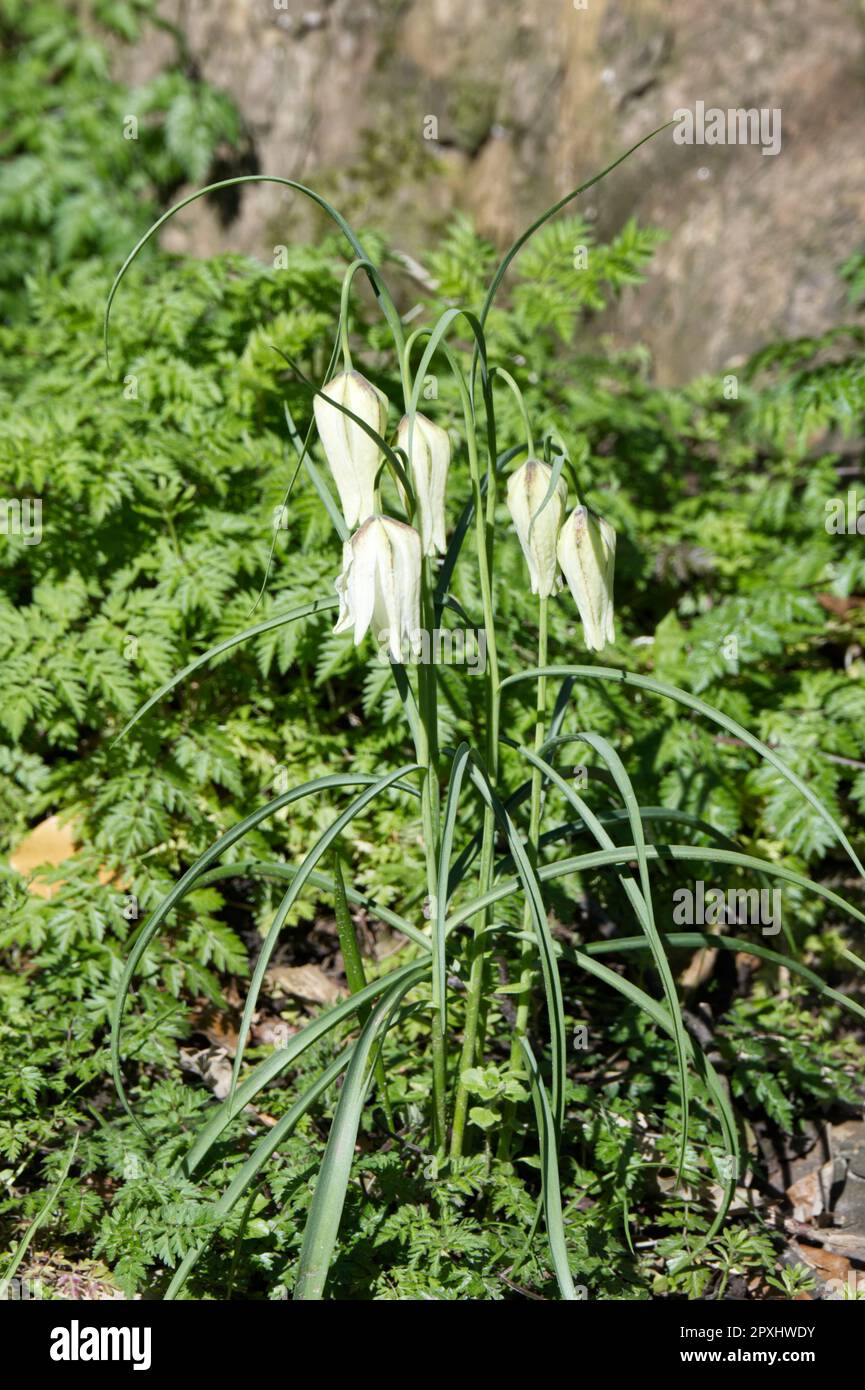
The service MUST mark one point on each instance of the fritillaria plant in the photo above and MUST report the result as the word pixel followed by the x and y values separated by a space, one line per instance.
pixel 402 530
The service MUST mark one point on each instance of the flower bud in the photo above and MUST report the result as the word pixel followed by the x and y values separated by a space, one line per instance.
pixel 380 585
pixel 537 522
pixel 587 554
pixel 354 458
pixel 430 458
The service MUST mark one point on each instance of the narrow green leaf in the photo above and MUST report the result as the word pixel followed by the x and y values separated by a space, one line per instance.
pixel 543 935
pixel 694 940
pixel 41 1216
pixel 285 1056
pixel 248 1172
pixel 458 767
pixel 682 697
pixel 701 1064
pixel 550 1187
pixel 325 1214
pixel 310 860
pixel 643 905
pixel 623 854
pixel 318 605
pixel 273 869
pixel 354 971
pixel 377 284
pixel 184 884
pixel 514 250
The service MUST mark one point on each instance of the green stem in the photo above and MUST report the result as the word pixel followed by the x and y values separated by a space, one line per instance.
pixel 348 280
pixel 427 756
pixel 484 535
pixel 484 532
pixel 527 954
pixel 424 725
pixel 521 406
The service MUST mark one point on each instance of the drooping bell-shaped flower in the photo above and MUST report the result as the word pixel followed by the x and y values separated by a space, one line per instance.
pixel 354 458
pixel 430 457
pixel 538 519
pixel 587 555
pixel 380 586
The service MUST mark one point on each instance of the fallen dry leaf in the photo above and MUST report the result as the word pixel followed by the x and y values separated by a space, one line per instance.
pixel 306 982
pixel 700 968
pixel 212 1065
pixel 51 842
pixel 806 1197
pixel 840 607
pixel 826 1264
pixel 218 1026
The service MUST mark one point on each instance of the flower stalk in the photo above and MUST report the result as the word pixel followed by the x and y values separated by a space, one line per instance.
pixel 387 588
pixel 427 755
pixel 528 953
pixel 485 518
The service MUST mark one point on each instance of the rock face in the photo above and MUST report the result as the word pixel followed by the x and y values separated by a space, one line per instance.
pixel 404 110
